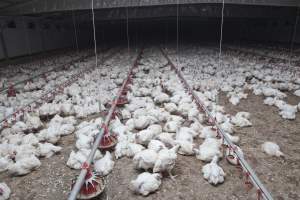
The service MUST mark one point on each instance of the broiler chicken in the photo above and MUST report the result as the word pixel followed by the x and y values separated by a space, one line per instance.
pixel 48 149
pixel 166 159
pixel 145 159
pixel 4 191
pixel 24 165
pixel 272 149
pixel 105 165
pixel 213 173
pixel 208 149
pixel 156 145
pixel 146 183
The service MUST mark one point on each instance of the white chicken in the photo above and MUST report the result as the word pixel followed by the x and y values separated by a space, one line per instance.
pixel 288 111
pixel 133 149
pixel 143 137
pixel 171 126
pixel 24 165
pixel 156 145
pixel 77 158
pixel 272 149
pixel 213 173
pixel 146 183
pixel 33 122
pixel 4 191
pixel 48 149
pixel 141 122
pixel 166 159
pixel 208 132
pixel 170 107
pixel 208 149
pixel 166 138
pixel 105 165
pixel 241 119
pixel 235 139
pixel 145 159
pixel 161 98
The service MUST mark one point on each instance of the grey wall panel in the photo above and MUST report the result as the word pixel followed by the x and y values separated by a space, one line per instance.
pixel 35 40
pixel 1 51
pixel 15 42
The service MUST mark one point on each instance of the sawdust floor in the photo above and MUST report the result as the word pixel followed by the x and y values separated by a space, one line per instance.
pixel 281 176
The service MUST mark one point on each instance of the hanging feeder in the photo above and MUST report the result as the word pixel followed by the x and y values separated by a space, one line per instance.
pixel 108 141
pixel 115 114
pixel 93 186
pixel 122 101
pixel 11 92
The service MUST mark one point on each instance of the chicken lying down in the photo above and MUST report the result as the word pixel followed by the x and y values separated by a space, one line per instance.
pixel 156 145
pixel 146 183
pixel 77 158
pixel 24 165
pixel 208 149
pixel 145 159
pixel 126 148
pixel 48 149
pixel 4 191
pixel 241 119
pixel 143 137
pixel 213 173
pixel 105 165
pixel 272 149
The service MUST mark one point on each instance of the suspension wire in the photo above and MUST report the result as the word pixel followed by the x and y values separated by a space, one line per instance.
pixel 127 30
pixel 221 35
pixel 294 35
pixel 220 46
pixel 177 32
pixel 75 30
pixel 94 30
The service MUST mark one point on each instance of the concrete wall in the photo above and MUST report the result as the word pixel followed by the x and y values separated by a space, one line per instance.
pixel 23 40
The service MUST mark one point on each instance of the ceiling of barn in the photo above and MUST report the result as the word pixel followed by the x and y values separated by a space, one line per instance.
pixel 27 7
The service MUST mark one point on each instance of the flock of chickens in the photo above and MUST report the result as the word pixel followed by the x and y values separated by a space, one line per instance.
pixel 160 121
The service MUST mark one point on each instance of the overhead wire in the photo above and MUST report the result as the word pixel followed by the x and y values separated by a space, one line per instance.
pixel 94 33
pixel 177 33
pixel 220 44
pixel 127 30
pixel 75 30
pixel 294 35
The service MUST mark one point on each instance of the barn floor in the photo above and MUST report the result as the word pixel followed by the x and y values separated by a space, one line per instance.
pixel 281 175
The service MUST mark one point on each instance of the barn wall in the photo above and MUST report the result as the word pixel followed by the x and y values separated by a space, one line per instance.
pixel 23 40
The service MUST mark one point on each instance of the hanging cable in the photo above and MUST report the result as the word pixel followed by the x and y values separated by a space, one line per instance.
pixel 220 45
pixel 221 35
pixel 294 36
pixel 177 32
pixel 75 30
pixel 127 29
pixel 94 30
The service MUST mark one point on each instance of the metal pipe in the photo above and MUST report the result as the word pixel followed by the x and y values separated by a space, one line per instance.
pixel 243 162
pixel 81 177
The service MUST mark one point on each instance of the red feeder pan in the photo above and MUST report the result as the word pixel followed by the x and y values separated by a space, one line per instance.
pixel 93 186
pixel 122 101
pixel 108 142
pixel 11 92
